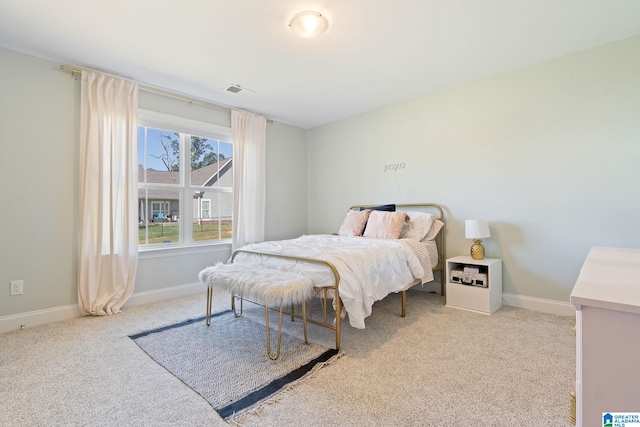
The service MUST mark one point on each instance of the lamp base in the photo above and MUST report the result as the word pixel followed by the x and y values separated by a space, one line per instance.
pixel 477 250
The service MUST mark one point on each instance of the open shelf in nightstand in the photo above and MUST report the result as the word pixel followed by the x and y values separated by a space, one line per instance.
pixel 479 289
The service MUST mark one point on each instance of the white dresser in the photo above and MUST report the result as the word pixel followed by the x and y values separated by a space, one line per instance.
pixel 607 300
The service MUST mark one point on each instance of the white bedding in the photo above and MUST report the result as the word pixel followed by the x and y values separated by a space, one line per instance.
pixel 369 269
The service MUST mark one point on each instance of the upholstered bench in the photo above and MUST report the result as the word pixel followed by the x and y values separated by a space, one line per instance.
pixel 262 285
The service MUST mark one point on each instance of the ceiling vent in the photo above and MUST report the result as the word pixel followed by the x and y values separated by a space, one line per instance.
pixel 239 90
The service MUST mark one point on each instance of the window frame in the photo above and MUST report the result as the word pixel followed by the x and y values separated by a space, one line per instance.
pixel 185 127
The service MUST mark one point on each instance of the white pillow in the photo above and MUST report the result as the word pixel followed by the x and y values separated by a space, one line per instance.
pixel 418 225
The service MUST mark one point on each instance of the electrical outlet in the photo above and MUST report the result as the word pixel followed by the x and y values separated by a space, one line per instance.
pixel 16 287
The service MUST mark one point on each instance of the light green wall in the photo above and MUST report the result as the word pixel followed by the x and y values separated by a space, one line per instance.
pixel 549 155
pixel 286 196
pixel 39 128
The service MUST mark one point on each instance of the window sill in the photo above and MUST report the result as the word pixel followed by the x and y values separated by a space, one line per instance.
pixel 173 250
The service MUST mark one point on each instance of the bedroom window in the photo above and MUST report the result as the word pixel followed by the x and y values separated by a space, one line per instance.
pixel 185 181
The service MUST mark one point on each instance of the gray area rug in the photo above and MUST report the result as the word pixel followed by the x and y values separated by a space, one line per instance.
pixel 227 363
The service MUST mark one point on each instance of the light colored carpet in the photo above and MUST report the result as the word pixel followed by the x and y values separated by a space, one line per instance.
pixel 438 366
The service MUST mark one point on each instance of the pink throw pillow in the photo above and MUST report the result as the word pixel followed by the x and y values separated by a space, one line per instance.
pixel 384 225
pixel 353 224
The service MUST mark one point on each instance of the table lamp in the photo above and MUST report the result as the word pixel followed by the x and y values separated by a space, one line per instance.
pixel 476 229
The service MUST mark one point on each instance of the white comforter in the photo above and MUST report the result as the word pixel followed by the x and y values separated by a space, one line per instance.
pixel 369 269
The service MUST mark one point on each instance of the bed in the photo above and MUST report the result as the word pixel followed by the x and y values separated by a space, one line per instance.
pixel 378 250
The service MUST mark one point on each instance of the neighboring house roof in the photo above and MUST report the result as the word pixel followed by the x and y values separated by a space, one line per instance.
pixel 158 177
pixel 205 176
pixel 208 175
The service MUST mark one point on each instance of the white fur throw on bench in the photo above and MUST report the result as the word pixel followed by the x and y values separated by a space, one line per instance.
pixel 254 281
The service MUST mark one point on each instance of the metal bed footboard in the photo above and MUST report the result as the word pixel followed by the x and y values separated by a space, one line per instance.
pixel 325 295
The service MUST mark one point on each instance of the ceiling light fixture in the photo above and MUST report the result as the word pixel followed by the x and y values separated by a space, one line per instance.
pixel 309 24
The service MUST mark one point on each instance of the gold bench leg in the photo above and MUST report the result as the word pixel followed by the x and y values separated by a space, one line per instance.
pixel 233 305
pixel 209 297
pixel 266 316
pixel 304 321
pixel 209 304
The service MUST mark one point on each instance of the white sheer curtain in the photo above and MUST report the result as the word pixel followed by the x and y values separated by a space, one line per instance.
pixel 248 134
pixel 108 231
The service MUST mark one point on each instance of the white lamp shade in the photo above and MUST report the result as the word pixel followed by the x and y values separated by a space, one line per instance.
pixel 309 24
pixel 476 229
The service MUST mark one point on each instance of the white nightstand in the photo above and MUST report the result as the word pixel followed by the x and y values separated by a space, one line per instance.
pixel 474 297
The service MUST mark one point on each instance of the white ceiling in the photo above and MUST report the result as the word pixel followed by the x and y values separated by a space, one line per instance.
pixel 375 52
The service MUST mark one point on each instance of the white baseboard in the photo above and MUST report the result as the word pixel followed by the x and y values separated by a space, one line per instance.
pixel 558 308
pixel 538 304
pixel 57 314
pixel 140 298
pixel 38 317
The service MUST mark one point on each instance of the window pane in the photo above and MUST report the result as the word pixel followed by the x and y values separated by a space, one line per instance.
pixel 226 214
pixel 211 169
pixel 210 162
pixel 211 215
pixel 225 149
pixel 158 216
pixel 158 156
